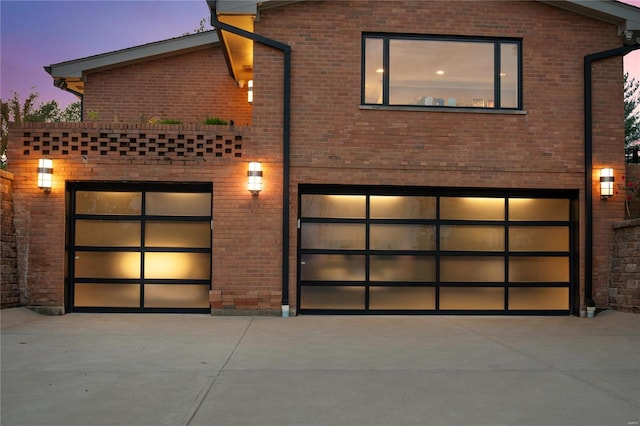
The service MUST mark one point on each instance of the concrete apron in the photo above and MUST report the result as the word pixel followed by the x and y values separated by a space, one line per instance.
pixel 104 369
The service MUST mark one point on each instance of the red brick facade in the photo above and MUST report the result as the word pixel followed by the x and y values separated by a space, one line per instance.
pixel 189 87
pixel 334 140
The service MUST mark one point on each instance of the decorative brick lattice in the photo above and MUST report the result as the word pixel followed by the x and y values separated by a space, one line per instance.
pixel 128 142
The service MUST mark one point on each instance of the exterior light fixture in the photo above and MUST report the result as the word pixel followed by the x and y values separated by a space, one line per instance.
pixel 250 91
pixel 45 173
pixel 254 184
pixel 606 183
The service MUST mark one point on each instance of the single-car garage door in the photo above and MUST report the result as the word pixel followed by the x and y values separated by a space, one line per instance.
pixel 139 247
pixel 390 250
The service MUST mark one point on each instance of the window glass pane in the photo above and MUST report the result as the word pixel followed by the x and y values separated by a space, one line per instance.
pixel 432 72
pixel 538 209
pixel 332 297
pixel 336 206
pixel 108 233
pixel 539 238
pixel 471 269
pixel 402 298
pixel 402 237
pixel 107 265
pixel 472 238
pixel 177 234
pixel 107 295
pixel 176 296
pixel 373 71
pixel 112 203
pixel 194 266
pixel 538 298
pixel 402 268
pixel 508 75
pixel 178 204
pixel 332 236
pixel 405 207
pixel 332 267
pixel 471 298
pixel 471 208
pixel 539 269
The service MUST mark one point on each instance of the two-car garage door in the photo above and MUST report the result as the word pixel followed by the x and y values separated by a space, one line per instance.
pixel 386 250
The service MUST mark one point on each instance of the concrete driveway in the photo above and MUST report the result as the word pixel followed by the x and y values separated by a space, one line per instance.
pixel 116 369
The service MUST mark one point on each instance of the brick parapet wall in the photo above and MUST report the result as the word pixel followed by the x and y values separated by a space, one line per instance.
pixel 624 288
pixel 245 266
pixel 10 291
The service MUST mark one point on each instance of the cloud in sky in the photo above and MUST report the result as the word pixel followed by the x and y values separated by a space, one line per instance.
pixel 34 34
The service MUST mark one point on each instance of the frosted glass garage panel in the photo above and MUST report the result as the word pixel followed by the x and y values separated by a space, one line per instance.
pixel 471 238
pixel 402 268
pixel 333 206
pixel 107 233
pixel 106 264
pixel 332 267
pixel 402 207
pixel 539 238
pixel 107 295
pixel 538 298
pixel 471 269
pixel 177 266
pixel 344 236
pixel 471 298
pixel 178 204
pixel 108 203
pixel 402 237
pixel 402 298
pixel 539 209
pixel 332 297
pixel 176 296
pixel 539 269
pixel 472 208
pixel 177 234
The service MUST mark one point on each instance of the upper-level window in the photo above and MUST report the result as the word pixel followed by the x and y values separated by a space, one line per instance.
pixel 450 72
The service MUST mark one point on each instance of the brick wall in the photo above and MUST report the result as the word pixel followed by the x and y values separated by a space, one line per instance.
pixel 246 230
pixel 624 291
pixel 187 87
pixel 10 292
pixel 333 140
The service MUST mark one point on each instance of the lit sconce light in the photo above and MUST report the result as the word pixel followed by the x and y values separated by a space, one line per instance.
pixel 45 173
pixel 254 174
pixel 250 91
pixel 606 183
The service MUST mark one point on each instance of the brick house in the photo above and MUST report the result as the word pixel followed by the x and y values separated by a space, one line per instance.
pixel 416 157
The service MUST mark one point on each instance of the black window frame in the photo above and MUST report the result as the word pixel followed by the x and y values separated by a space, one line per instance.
pixel 387 37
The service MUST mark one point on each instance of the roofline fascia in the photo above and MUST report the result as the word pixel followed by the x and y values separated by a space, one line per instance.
pixel 625 16
pixel 78 67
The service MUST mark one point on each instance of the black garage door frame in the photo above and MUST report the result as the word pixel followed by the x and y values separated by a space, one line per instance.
pixel 358 190
pixel 72 187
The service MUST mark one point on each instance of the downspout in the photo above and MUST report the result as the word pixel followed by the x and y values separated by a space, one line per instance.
pixel 588 158
pixel 286 137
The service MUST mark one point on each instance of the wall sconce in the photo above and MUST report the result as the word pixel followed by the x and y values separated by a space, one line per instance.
pixel 254 174
pixel 45 173
pixel 250 91
pixel 606 183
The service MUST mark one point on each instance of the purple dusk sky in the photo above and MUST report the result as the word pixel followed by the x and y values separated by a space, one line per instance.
pixel 34 34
